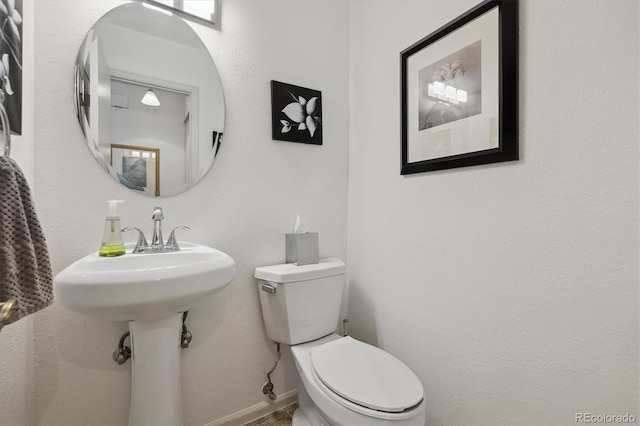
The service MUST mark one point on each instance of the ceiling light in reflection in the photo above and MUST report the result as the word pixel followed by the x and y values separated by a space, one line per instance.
pixel 150 99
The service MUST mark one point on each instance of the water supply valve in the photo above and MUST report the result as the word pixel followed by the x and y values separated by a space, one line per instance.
pixel 185 335
pixel 267 388
pixel 123 352
pixel 185 338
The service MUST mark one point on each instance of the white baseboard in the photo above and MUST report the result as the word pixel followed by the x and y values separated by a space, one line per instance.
pixel 257 411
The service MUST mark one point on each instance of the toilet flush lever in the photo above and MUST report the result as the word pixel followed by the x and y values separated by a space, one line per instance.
pixel 269 288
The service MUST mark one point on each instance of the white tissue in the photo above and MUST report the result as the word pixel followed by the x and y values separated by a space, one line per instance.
pixel 300 227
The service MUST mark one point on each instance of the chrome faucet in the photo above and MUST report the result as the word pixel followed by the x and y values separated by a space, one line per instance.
pixel 157 244
pixel 156 239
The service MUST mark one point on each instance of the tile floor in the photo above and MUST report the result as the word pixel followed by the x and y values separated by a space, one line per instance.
pixel 279 418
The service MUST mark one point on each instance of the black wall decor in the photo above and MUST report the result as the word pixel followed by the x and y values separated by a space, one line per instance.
pixel 296 114
pixel 11 62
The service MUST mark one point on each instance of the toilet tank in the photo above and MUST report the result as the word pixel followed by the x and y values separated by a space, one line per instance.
pixel 301 303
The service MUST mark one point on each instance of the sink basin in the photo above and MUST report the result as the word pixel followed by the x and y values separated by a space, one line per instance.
pixel 136 287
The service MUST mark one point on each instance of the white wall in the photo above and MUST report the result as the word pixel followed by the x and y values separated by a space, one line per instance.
pixel 510 289
pixel 55 366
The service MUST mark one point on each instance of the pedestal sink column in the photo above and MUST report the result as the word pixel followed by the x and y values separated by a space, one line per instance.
pixel 155 372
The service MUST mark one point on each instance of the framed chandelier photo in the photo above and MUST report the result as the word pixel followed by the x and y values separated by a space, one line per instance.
pixel 459 92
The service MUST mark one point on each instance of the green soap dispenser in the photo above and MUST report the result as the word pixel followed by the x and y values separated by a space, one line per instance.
pixel 112 243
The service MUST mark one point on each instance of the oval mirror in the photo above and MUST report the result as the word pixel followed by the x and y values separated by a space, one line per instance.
pixel 149 100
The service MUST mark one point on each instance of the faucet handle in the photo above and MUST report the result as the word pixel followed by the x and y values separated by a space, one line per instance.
pixel 157 214
pixel 157 243
pixel 141 245
pixel 172 243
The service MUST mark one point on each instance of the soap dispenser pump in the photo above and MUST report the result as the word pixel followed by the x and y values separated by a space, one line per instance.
pixel 112 242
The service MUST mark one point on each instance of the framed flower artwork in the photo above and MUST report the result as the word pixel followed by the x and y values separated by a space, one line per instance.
pixel 296 114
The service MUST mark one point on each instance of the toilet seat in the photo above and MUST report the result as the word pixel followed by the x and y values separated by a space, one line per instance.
pixel 366 376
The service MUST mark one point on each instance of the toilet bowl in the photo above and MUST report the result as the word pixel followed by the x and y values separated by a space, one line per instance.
pixel 341 381
pixel 353 383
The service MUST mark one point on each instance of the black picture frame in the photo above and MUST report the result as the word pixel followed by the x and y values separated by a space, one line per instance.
pixel 216 141
pixel 296 114
pixel 444 126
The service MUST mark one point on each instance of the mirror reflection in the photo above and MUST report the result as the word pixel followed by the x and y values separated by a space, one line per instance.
pixel 149 100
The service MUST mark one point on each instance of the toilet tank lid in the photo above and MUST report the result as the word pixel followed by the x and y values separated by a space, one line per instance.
pixel 289 272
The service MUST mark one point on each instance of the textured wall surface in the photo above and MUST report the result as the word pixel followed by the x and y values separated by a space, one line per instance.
pixel 55 366
pixel 510 289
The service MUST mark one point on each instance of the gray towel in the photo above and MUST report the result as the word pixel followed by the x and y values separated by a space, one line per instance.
pixel 25 269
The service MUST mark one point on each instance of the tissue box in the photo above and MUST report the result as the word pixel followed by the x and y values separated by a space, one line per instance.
pixel 302 249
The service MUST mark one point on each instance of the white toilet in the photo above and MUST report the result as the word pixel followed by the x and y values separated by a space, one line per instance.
pixel 342 381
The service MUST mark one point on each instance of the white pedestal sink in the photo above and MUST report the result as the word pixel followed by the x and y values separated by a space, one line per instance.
pixel 150 291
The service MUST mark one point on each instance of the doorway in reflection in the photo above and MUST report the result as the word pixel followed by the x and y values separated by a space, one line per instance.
pixel 163 128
